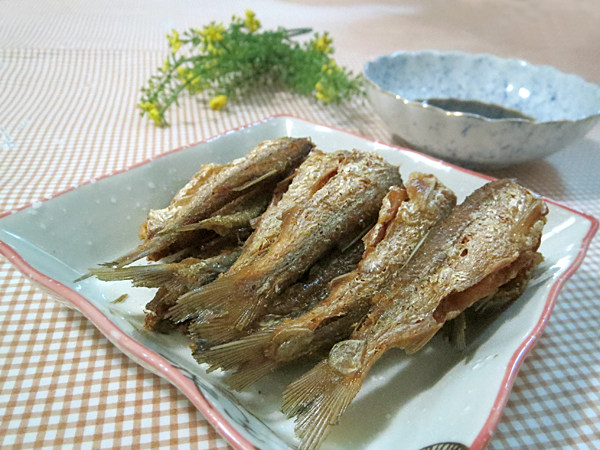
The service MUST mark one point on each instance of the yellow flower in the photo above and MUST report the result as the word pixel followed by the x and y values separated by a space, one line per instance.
pixel 323 94
pixel 330 67
pixel 174 41
pixel 323 43
pixel 218 102
pixel 152 110
pixel 251 22
pixel 213 32
pixel 166 65
pixel 182 73
pixel 154 115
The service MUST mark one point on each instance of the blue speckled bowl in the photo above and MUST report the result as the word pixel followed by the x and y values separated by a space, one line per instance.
pixel 560 108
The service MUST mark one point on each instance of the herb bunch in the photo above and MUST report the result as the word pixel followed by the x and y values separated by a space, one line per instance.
pixel 223 64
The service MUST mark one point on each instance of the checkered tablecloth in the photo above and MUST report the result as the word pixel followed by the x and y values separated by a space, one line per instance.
pixel 70 74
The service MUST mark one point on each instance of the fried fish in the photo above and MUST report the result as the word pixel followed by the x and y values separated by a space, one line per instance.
pixel 212 188
pixel 289 193
pixel 292 302
pixel 406 215
pixel 342 205
pixel 486 242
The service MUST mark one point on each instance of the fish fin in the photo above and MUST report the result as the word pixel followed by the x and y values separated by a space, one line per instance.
pixel 255 181
pixel 318 399
pixel 236 353
pixel 83 277
pixel 456 332
pixel 201 318
pixel 215 295
pixel 245 313
pixel 141 251
pixel 149 276
pixel 229 293
pixel 215 329
pixel 250 373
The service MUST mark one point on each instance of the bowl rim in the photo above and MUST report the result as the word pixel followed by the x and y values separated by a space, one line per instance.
pixel 468 115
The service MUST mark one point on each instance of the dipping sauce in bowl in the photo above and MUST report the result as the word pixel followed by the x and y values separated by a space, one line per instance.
pixel 479 110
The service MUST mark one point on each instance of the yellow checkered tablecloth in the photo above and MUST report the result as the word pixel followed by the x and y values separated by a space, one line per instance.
pixel 70 74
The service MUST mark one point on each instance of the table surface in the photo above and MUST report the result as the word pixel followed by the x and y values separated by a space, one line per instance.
pixel 70 73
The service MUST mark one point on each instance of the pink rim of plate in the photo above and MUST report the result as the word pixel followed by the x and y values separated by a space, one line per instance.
pixel 137 351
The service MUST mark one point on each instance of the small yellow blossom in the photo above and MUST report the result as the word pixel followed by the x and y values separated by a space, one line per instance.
pixel 152 110
pixel 323 43
pixel 166 65
pixel 330 67
pixel 251 22
pixel 174 41
pixel 213 32
pixel 323 94
pixel 182 73
pixel 217 102
pixel 154 116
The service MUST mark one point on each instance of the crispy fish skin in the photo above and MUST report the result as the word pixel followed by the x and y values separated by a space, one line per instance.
pixel 346 203
pixel 484 243
pixel 294 190
pixel 303 296
pixel 214 187
pixel 406 215
pixel 317 166
pixel 158 219
pixel 292 302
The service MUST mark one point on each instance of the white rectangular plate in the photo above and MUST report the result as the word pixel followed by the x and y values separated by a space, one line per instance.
pixel 437 395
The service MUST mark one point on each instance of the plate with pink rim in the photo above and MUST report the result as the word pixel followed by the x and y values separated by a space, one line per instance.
pixel 436 396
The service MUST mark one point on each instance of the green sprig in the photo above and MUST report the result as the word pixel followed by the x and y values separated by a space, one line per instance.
pixel 226 63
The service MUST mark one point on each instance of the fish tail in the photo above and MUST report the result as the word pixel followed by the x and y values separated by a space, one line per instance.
pixel 143 250
pixel 148 276
pixel 250 373
pixel 232 294
pixel 318 399
pixel 244 312
pixel 216 295
pixel 236 353
pixel 214 329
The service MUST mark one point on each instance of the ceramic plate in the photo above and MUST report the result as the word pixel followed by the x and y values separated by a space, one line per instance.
pixel 438 395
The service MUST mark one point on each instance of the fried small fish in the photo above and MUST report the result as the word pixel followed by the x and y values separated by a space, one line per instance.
pixel 341 206
pixel 486 242
pixel 292 191
pixel 213 187
pixel 292 302
pixel 172 279
pixel 406 215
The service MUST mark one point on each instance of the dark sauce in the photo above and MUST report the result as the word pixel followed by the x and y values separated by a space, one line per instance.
pixel 487 110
